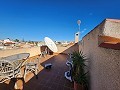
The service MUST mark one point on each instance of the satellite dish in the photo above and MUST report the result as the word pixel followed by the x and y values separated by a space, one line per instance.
pixel 78 22
pixel 51 45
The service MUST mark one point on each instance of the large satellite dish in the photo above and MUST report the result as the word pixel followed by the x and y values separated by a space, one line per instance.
pixel 51 45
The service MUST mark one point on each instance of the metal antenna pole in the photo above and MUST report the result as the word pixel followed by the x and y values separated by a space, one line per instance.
pixel 79 22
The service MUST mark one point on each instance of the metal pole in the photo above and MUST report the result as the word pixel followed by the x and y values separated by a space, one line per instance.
pixel 79 22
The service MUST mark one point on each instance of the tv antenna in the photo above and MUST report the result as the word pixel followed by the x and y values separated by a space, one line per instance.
pixel 78 22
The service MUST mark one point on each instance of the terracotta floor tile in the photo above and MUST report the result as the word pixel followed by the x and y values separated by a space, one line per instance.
pixel 60 87
pixel 45 88
pixel 39 87
pixel 52 79
pixel 54 86
pixel 4 86
pixel 66 88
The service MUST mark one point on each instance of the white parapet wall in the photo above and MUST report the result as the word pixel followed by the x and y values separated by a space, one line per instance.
pixel 32 50
pixel 36 50
pixel 67 49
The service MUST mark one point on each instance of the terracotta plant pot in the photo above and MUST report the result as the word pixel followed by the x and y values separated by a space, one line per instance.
pixel 78 86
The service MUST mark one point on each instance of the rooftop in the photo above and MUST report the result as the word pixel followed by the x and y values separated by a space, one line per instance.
pixel 114 20
pixel 52 79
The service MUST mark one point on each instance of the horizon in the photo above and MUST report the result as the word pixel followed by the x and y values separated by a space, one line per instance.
pixel 33 20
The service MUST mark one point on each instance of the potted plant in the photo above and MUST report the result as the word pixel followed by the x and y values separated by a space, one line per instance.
pixel 78 70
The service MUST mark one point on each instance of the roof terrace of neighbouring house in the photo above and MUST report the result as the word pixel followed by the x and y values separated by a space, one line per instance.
pixel 52 79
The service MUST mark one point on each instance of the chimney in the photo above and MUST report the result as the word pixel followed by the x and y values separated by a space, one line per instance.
pixel 77 37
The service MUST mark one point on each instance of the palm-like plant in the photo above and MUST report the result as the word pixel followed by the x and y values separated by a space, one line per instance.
pixel 78 72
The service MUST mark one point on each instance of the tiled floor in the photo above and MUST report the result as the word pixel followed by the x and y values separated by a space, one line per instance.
pixel 52 79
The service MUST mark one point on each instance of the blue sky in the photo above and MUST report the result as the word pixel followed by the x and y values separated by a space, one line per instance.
pixel 57 19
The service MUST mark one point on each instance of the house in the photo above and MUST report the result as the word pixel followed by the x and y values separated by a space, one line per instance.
pixel 8 42
pixel 102 48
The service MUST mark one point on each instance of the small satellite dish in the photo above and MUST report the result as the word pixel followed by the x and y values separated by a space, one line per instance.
pixel 51 45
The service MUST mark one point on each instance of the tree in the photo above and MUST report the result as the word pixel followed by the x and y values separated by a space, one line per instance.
pixel 16 40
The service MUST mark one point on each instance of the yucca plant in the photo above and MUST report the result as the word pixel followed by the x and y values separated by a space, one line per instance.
pixel 78 71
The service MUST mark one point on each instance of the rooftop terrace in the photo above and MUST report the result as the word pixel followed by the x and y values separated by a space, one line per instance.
pixel 52 79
